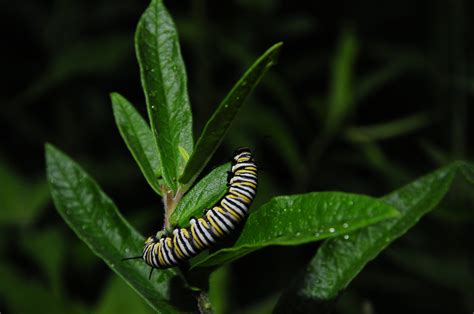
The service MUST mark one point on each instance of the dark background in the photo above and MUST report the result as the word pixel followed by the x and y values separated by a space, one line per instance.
pixel 401 70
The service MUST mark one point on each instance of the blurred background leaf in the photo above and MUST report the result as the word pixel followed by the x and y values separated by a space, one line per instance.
pixel 47 249
pixel 120 298
pixel 341 89
pixel 20 200
pixel 26 296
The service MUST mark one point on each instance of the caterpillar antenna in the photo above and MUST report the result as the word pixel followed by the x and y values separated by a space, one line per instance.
pixel 151 272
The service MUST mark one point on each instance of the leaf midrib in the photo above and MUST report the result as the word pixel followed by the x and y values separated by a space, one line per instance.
pixel 301 240
pixel 164 95
pixel 76 194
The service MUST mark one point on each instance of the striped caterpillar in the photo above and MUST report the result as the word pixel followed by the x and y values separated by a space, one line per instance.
pixel 217 221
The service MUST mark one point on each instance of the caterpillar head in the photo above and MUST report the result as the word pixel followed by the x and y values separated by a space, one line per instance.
pixel 242 152
pixel 151 239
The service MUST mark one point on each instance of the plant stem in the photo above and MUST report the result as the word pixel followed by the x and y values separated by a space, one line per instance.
pixel 170 201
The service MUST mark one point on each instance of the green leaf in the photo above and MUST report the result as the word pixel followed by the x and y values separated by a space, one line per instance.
pixel 204 194
pixel 164 82
pixel 137 135
pixel 341 97
pixel 220 121
pixel 298 219
pixel 96 221
pixel 337 262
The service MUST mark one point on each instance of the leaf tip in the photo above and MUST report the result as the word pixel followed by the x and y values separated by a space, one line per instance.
pixel 278 45
pixel 51 156
pixel 115 98
pixel 275 50
pixel 49 149
pixel 47 146
pixel 272 53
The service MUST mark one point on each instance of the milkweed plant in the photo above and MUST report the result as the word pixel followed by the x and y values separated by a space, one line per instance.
pixel 354 228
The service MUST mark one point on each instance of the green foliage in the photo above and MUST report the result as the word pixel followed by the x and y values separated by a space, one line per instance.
pixel 119 298
pixel 219 123
pixel 389 129
pixel 219 286
pixel 164 82
pixel 139 139
pixel 355 227
pixel 299 219
pixel 97 222
pixel 342 85
pixel 205 193
pixel 338 261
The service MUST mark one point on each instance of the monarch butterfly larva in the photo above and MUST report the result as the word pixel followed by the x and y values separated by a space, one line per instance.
pixel 217 221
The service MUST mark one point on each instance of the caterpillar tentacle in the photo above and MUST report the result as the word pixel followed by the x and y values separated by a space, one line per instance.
pixel 217 221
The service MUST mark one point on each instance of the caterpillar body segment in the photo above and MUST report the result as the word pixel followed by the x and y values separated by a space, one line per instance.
pixel 217 222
